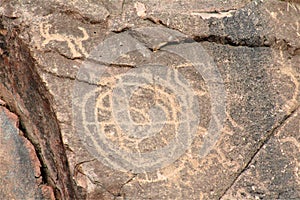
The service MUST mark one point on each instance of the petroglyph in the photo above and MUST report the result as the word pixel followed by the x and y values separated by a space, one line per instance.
pixel 288 70
pixel 155 113
pixel 145 118
pixel 74 43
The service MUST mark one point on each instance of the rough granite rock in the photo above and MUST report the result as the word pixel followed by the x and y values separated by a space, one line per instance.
pixel 52 53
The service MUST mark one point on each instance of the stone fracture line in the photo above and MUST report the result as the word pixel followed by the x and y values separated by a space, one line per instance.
pixel 263 142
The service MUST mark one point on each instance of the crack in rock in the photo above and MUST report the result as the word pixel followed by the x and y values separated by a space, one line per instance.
pixel 269 135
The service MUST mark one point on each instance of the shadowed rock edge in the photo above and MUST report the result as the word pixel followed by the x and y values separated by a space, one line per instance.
pixel 26 96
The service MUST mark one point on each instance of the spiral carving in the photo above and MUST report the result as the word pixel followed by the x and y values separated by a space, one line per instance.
pixel 147 117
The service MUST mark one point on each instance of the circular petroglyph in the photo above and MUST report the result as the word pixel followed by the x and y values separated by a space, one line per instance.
pixel 145 117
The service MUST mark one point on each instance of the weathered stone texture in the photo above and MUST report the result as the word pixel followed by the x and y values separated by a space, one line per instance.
pixel 20 175
pixel 274 171
pixel 25 95
pixel 254 45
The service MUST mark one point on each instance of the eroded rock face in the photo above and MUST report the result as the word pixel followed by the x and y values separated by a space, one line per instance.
pixel 274 171
pixel 25 95
pixel 20 168
pixel 104 90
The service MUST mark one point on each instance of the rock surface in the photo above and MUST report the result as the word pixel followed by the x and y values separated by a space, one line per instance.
pixel 234 129
pixel 20 175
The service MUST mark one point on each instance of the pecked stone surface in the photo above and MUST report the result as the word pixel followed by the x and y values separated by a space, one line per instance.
pixel 254 45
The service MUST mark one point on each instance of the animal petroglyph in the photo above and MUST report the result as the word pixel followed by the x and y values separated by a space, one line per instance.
pixel 74 43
